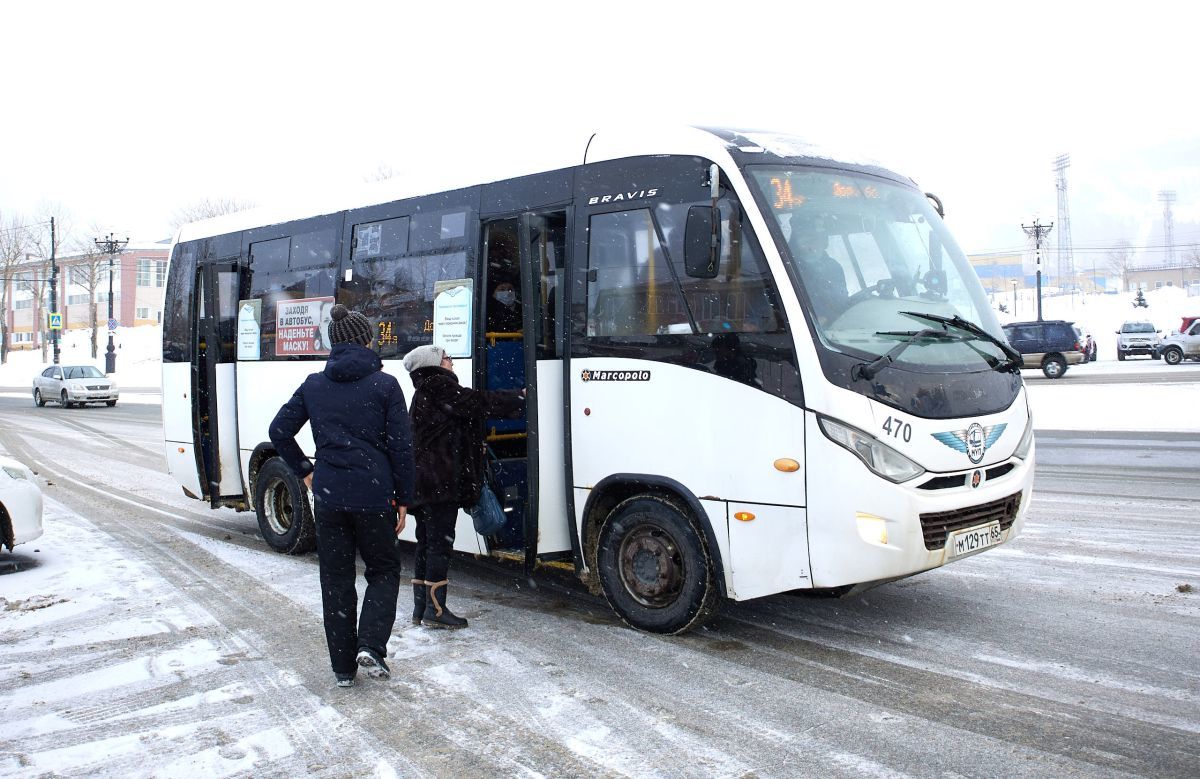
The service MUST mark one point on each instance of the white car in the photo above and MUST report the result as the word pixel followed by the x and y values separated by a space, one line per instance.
pixel 1138 337
pixel 20 504
pixel 74 385
pixel 1182 344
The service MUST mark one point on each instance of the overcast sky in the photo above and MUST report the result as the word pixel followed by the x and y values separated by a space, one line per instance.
pixel 122 112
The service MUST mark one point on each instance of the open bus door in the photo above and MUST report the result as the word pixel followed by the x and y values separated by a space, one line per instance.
pixel 214 384
pixel 534 497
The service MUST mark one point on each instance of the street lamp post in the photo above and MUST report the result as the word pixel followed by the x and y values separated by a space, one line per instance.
pixel 1037 232
pixel 1014 283
pixel 110 247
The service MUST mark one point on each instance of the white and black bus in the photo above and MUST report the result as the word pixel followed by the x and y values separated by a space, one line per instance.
pixel 751 367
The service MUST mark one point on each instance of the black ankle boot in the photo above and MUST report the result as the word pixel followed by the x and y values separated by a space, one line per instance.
pixel 437 615
pixel 420 593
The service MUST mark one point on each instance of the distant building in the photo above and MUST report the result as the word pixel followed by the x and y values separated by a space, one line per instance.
pixel 998 270
pixel 139 279
pixel 1180 274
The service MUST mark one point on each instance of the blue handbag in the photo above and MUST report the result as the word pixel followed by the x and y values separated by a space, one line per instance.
pixel 487 515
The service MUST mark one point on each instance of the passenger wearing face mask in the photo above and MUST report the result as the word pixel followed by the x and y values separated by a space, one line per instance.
pixel 504 313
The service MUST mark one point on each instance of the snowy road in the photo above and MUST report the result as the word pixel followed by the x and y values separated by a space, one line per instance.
pixel 151 635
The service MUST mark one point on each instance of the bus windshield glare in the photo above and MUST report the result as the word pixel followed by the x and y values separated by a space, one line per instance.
pixel 865 251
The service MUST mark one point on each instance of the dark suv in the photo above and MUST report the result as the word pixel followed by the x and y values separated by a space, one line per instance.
pixel 1051 345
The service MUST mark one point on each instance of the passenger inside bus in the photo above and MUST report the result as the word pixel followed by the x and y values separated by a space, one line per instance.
pixel 504 348
pixel 504 310
pixel 822 275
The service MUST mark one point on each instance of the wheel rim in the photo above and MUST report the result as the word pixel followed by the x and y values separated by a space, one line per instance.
pixel 277 506
pixel 64 397
pixel 651 566
pixel 37 397
pixel 1053 369
pixel 1172 356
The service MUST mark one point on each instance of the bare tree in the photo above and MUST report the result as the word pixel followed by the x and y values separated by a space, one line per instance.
pixel 88 266
pixel 206 209
pixel 1120 261
pixel 14 245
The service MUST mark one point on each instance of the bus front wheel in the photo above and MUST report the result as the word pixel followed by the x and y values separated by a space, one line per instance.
pixel 284 516
pixel 654 567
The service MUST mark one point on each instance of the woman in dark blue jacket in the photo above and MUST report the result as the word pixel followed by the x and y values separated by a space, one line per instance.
pixel 362 486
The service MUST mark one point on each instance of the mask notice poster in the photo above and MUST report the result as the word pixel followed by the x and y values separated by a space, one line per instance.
pixel 302 326
pixel 452 307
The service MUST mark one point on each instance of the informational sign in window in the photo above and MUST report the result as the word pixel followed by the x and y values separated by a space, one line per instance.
pixel 249 330
pixel 302 326
pixel 452 307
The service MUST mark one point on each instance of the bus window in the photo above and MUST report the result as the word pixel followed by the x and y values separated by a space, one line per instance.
pixel 274 279
pixel 396 294
pixel 632 290
pixel 741 298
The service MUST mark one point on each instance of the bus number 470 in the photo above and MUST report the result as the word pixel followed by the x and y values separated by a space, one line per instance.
pixel 898 429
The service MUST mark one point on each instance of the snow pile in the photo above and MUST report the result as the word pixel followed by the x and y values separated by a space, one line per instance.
pixel 139 357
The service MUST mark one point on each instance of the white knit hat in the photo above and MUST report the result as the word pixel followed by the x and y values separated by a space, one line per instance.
pixel 425 356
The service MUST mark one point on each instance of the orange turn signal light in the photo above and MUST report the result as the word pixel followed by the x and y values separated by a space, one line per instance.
pixel 743 516
pixel 787 465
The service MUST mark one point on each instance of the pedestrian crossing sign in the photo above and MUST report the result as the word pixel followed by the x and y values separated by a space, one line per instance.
pixel 56 321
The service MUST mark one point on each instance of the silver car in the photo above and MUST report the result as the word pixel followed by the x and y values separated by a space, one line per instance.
pixel 74 385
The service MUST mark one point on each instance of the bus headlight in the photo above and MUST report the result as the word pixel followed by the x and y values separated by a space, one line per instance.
pixel 1026 444
pixel 871 528
pixel 879 457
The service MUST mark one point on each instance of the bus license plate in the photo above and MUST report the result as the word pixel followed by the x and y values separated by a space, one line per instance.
pixel 973 539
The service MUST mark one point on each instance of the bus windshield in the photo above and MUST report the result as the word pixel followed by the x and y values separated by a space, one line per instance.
pixel 867 255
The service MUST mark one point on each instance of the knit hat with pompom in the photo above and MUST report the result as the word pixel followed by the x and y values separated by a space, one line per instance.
pixel 346 326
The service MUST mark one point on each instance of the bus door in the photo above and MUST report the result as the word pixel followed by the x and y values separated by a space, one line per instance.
pixel 523 346
pixel 214 383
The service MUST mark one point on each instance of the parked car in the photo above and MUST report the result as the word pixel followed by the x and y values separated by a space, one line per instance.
pixel 74 385
pixel 1051 345
pixel 1182 345
pixel 1089 345
pixel 20 504
pixel 1138 337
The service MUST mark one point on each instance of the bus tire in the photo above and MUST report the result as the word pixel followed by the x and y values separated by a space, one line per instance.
pixel 284 516
pixel 654 567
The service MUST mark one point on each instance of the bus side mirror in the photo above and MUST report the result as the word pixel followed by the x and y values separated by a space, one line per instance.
pixel 702 242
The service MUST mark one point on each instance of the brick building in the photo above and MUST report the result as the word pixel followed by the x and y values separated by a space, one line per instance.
pixel 138 280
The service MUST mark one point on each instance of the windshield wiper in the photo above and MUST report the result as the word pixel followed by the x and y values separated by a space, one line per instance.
pixel 1014 357
pixel 867 370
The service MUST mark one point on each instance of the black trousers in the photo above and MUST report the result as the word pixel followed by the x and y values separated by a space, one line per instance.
pixel 340 535
pixel 435 540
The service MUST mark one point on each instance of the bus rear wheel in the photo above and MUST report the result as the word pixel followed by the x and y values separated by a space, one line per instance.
pixel 654 568
pixel 284 516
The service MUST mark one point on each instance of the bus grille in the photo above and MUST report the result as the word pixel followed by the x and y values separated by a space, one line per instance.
pixel 935 527
pixel 960 479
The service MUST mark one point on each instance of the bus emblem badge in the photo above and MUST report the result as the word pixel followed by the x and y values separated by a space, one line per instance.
pixel 976 477
pixel 974 441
